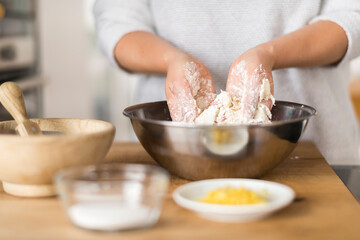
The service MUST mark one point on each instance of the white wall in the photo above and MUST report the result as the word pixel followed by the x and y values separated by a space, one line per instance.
pixel 64 56
pixel 80 81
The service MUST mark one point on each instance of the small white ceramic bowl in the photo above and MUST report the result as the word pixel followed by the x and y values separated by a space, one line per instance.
pixel 278 196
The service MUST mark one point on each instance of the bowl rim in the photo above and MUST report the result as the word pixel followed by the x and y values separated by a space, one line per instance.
pixel 128 110
pixel 108 127
pixel 66 175
pixel 224 209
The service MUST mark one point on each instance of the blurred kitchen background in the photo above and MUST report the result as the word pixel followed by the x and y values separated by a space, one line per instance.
pixel 49 48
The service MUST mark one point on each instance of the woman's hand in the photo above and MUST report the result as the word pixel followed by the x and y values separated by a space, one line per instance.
pixel 189 88
pixel 247 75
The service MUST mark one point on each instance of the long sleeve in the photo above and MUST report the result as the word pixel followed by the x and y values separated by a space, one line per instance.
pixel 115 18
pixel 345 13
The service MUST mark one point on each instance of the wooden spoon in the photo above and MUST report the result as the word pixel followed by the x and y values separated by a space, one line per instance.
pixel 12 99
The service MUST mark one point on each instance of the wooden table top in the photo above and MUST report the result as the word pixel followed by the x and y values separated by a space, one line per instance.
pixel 323 208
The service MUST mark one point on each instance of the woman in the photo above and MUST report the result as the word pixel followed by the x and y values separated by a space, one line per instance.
pixel 309 43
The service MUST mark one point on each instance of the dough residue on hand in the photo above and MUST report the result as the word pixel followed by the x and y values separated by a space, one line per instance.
pixel 202 107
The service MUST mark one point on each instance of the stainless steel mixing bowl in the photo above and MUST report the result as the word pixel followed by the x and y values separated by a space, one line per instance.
pixel 199 152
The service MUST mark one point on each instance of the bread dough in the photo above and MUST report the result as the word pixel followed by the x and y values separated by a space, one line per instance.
pixel 226 109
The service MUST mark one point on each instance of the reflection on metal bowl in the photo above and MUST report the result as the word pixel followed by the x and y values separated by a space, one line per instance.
pixel 216 151
pixel 225 142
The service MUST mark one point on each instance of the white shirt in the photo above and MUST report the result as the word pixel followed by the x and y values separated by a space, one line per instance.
pixel 218 31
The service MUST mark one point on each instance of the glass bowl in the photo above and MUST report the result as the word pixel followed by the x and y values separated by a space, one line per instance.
pixel 114 196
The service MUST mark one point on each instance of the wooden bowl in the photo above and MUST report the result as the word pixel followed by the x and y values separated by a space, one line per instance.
pixel 28 164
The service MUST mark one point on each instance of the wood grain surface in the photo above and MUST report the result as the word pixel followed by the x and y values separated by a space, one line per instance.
pixel 12 98
pixel 323 209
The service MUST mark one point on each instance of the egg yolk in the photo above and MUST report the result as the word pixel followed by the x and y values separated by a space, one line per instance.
pixel 231 195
